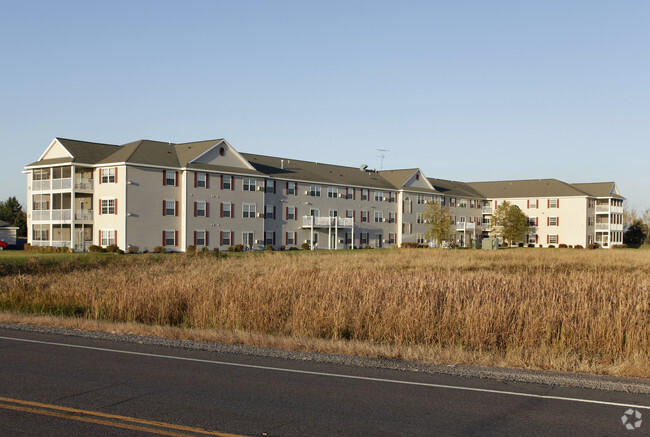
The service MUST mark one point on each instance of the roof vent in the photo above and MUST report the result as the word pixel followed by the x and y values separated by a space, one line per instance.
pixel 363 167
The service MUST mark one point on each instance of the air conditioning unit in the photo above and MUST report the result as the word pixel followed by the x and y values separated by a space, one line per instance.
pixel 385 241
pixel 341 195
pixel 260 214
pixel 307 193
pixel 260 188
pixel 259 241
pixel 341 240
pixel 307 241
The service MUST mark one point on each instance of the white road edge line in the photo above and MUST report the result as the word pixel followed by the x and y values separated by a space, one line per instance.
pixel 333 375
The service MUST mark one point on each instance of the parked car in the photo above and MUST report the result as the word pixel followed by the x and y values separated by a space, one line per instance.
pixel 3 244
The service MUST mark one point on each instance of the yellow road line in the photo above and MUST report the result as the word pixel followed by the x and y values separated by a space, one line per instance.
pixel 64 412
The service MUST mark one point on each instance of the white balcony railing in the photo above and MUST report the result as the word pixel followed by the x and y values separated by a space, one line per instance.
pixel 41 215
pixel 487 210
pixel 602 226
pixel 616 227
pixel 83 215
pixel 464 226
pixel 602 208
pixel 62 184
pixel 61 214
pixel 308 221
pixel 41 185
pixel 83 184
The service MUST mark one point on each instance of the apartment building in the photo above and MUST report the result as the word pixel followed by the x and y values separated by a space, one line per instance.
pixel 146 194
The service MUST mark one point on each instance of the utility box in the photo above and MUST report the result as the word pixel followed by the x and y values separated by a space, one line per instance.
pixel 490 244
pixel 476 244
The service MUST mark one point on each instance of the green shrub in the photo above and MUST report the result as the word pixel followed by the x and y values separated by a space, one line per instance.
pixel 293 248
pixel 305 246
pixel 112 248
pixel 269 247
pixel 531 245
pixel 551 246
pixel 239 247
pixel 562 246
pixel 95 248
pixel 577 246
pixel 231 248
pixel 619 246
pixel 594 246
pixel 159 249
pixel 133 249
pixel 191 250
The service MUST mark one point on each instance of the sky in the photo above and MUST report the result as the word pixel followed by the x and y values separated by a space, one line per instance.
pixel 464 90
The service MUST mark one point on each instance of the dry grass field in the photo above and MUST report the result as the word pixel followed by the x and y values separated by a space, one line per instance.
pixel 562 309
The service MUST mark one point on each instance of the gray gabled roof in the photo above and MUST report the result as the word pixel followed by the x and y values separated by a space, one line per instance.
pixel 316 172
pixel 526 188
pixel 188 151
pixel 83 152
pixel 599 189
pixel 455 188
pixel 145 152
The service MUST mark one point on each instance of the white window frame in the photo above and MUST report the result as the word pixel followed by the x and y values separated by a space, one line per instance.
pixel 268 238
pixel 332 192
pixel 268 211
pixel 552 239
pixel 419 218
pixel 226 209
pixel 379 216
pixel 365 194
pixel 314 190
pixel 226 240
pixel 200 209
pixel 198 232
pixel 170 175
pixel 291 188
pixel 552 203
pixel 379 196
pixel 270 186
pixel 172 239
pixel 419 238
pixel 201 180
pixel 107 237
pixel 249 184
pixel 248 210
pixel 227 182
pixel 108 206
pixel 291 238
pixel 291 212
pixel 532 203
pixel 168 208
pixel 107 175
pixel 552 221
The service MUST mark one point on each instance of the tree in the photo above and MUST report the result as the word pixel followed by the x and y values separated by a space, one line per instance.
pixel 635 234
pixel 509 222
pixel 439 219
pixel 11 211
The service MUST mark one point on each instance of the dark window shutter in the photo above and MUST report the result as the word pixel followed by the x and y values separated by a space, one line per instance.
pixel 177 179
pixel 99 235
pixel 175 238
pixel 548 203
pixel 207 209
pixel 100 176
pixel 207 238
pixel 196 179
pixel 164 172
pixel 536 238
pixel 207 181
pixel 274 184
pixel 115 206
pixel 286 190
pixel 273 212
pixel 164 210
pixel 116 176
pixel 221 211
pixel 232 183
pixel 274 238
pixel 163 238
pixel 176 208
pixel 528 203
pixel 232 238
pixel 194 238
pixel 195 208
pixel 557 221
pixel 220 238
pixel 222 182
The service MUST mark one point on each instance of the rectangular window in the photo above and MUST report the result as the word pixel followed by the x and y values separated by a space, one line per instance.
pixel 225 238
pixel 108 206
pixel 419 238
pixel 200 238
pixel 532 221
pixel 552 203
pixel 108 175
pixel 332 192
pixel 407 228
pixel 552 239
pixel 420 200
pixel 226 210
pixel 462 203
pixel 108 237
pixel 269 211
pixel 170 207
pixel 291 212
pixel 291 238
pixel 532 203
pixel 379 216
pixel 419 218
pixel 590 221
pixel 200 209
pixel 201 179
pixel 365 215
pixel 391 196
pixel 226 182
pixel 452 201
pixel 363 238
pixel 170 178
pixel 333 213
pixel 349 193
pixel 170 238
pixel 270 187
pixel 314 190
pixel 391 238
pixel 391 217
pixel 379 196
pixel 552 221
pixel 248 210
pixel 365 194
pixel 407 206
pixel 269 238
pixel 349 213
pixel 292 188
pixel 249 184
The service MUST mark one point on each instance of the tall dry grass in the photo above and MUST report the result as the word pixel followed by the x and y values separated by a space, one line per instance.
pixel 555 309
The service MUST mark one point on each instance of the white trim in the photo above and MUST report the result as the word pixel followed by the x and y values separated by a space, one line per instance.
pixel 232 149
pixel 55 141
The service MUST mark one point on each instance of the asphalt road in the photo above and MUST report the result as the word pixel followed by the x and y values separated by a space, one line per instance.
pixel 68 385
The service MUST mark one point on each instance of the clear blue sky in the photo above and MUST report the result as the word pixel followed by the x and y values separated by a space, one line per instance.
pixel 465 90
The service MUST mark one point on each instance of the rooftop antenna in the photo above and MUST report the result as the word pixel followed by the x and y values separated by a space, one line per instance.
pixel 382 156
